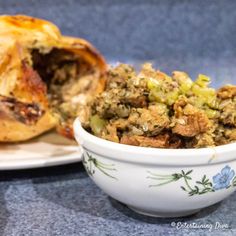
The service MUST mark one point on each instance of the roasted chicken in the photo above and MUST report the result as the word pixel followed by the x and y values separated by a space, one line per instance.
pixel 46 79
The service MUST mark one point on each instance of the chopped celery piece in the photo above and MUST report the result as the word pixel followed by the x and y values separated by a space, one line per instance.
pixel 202 80
pixel 172 97
pixel 198 102
pixel 97 124
pixel 212 102
pixel 184 81
pixel 211 113
pixel 157 96
pixel 168 79
pixel 203 91
pixel 186 86
pixel 153 83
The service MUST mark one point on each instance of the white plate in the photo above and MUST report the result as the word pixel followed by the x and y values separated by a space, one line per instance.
pixel 47 150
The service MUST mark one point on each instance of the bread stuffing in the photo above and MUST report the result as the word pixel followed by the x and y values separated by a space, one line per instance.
pixel 152 109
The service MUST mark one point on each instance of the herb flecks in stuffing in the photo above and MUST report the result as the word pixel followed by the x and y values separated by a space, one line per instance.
pixel 152 109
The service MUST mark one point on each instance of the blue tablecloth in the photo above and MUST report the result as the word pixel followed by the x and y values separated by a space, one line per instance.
pixel 64 201
pixel 194 36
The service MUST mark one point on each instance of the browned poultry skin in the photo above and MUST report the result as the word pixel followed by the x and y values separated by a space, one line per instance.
pixel 50 77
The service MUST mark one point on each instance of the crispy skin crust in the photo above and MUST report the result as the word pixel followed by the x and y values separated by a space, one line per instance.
pixel 13 131
pixel 19 35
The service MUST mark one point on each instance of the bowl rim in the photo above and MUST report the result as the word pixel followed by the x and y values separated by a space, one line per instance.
pixel 181 157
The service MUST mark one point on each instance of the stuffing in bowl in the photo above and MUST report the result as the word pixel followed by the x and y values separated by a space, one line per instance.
pixel 152 109
pixel 164 146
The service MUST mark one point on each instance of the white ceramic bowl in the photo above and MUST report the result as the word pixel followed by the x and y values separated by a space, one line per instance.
pixel 159 182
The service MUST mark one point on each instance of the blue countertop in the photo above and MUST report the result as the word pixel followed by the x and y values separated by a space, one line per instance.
pixel 64 201
pixel 194 36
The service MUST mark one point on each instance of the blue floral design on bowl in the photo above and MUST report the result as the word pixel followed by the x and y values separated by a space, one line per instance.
pixel 222 180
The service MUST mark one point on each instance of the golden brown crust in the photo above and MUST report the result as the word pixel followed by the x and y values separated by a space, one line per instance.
pixel 29 31
pixel 19 35
pixel 14 131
